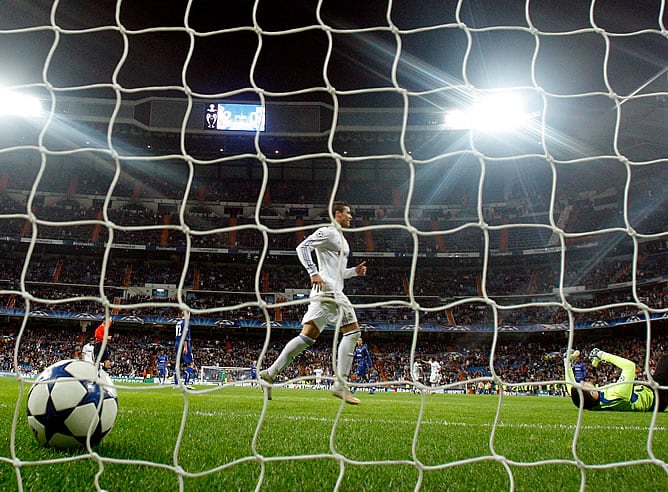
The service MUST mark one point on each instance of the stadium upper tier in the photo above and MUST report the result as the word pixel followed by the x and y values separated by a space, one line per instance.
pixel 117 200
pixel 446 211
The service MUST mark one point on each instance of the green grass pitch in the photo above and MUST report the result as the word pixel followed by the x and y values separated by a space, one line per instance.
pixel 224 439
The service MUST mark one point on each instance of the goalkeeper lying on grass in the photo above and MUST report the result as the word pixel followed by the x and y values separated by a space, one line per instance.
pixel 624 397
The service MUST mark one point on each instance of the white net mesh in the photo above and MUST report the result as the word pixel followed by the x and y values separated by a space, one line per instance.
pixel 360 104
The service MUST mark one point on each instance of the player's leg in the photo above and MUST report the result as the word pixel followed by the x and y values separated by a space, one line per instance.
pixel 367 379
pixel 189 376
pixel 291 350
pixel 105 357
pixel 360 375
pixel 177 366
pixel 347 349
pixel 313 321
pixel 351 333
pixel 187 360
pixel 178 372
pixel 96 353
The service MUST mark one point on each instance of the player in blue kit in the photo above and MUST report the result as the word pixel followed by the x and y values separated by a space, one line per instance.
pixel 626 396
pixel 364 364
pixel 161 362
pixel 578 366
pixel 183 353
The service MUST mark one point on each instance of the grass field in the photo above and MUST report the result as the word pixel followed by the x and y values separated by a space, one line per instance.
pixel 393 441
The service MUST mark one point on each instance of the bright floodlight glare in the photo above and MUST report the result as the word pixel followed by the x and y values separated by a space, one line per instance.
pixel 501 112
pixel 14 104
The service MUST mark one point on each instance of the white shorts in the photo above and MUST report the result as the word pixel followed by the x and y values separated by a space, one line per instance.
pixel 322 312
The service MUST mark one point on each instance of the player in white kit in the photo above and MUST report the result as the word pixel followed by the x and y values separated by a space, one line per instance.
pixel 329 305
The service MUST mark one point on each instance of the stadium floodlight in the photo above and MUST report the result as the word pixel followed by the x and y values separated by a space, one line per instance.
pixel 15 104
pixel 491 113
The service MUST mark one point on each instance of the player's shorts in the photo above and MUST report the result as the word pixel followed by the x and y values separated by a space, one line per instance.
pixel 323 311
pixel 106 354
pixel 185 358
pixel 362 370
pixel 162 371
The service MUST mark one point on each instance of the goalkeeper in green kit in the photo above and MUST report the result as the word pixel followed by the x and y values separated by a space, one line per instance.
pixel 623 396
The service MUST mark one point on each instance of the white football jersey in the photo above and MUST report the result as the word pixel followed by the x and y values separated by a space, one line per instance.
pixel 88 352
pixel 435 373
pixel 329 245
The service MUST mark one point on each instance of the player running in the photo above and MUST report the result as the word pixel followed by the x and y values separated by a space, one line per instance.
pixel 329 305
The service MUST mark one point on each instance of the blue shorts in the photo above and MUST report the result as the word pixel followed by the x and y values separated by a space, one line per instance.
pixel 185 358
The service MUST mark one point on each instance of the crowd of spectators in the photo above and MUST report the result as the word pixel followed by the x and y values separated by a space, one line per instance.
pixel 226 285
pixel 525 189
pixel 161 227
pixel 76 191
pixel 463 361
pixel 598 277
pixel 55 279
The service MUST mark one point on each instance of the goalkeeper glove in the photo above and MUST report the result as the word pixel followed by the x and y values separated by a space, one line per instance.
pixel 596 356
pixel 572 355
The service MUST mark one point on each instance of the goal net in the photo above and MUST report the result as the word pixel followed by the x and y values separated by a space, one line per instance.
pixel 506 166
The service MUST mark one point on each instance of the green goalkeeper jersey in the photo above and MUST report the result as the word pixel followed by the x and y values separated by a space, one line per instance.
pixel 640 400
pixel 625 396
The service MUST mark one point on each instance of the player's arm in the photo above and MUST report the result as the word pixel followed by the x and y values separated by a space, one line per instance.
pixel 356 271
pixel 628 367
pixel 304 253
pixel 307 246
pixel 628 374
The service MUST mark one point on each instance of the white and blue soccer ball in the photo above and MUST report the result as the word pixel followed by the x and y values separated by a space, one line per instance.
pixel 70 400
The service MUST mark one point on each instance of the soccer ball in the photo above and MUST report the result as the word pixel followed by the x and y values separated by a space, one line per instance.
pixel 69 400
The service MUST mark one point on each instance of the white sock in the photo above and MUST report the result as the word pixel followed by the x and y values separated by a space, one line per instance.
pixel 291 350
pixel 346 351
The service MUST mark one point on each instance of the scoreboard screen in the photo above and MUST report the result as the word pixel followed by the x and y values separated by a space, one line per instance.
pixel 235 117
